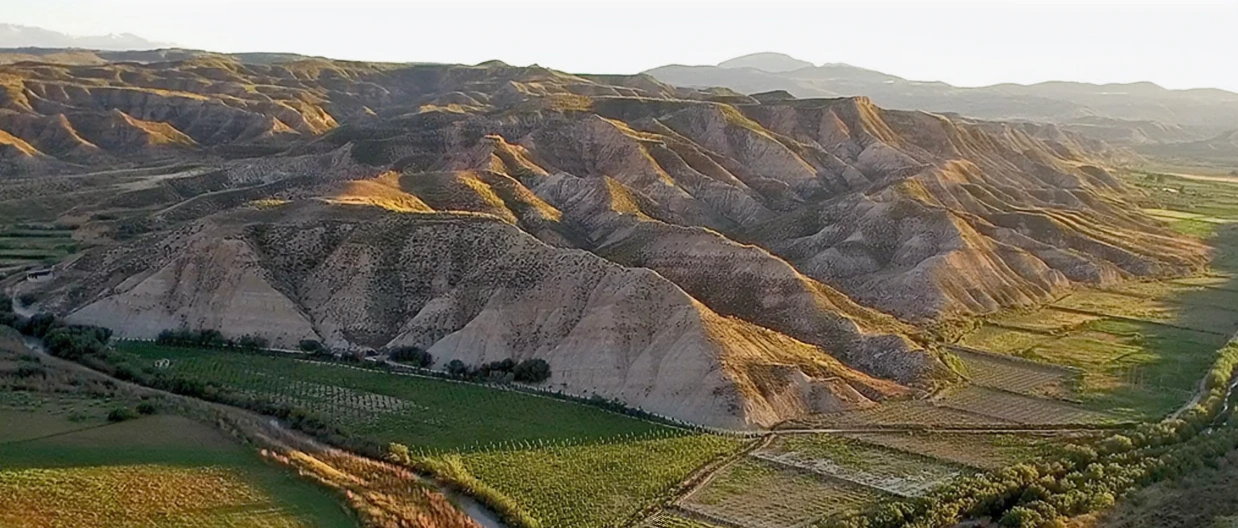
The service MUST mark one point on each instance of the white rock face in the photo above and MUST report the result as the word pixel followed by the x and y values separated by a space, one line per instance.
pixel 465 287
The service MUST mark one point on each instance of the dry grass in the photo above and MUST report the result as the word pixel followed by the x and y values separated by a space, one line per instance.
pixel 913 413
pixel 871 466
pixel 1017 376
pixel 1021 409
pixel 982 451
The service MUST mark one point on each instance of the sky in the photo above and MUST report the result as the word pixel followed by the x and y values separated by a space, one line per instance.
pixel 1181 44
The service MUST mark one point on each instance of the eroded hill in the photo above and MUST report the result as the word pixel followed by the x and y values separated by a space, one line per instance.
pixel 719 258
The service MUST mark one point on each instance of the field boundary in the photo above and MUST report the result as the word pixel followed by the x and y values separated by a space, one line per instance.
pixel 1138 320
pixel 1016 359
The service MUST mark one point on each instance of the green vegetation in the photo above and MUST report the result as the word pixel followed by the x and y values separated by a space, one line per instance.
pixel 1141 347
pixel 74 462
pixel 24 247
pixel 605 476
pixel 412 356
pixel 533 458
pixel 155 470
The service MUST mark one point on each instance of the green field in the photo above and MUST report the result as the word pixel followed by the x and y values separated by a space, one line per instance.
pixel 26 246
pixel 1141 347
pixel 568 464
pixel 158 470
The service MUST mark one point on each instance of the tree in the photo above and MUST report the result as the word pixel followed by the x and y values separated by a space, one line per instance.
pixel 412 355
pixel 457 368
pixel 121 414
pixel 532 371
pixel 38 325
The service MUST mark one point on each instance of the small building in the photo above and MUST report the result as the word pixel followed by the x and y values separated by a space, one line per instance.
pixel 40 275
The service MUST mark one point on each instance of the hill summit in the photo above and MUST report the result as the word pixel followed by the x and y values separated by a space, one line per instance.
pixel 767 61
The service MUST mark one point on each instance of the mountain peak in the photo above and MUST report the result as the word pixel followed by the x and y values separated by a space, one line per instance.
pixel 16 36
pixel 767 61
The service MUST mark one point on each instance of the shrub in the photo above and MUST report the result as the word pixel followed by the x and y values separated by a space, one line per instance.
pixel 28 299
pixel 412 355
pixel 253 342
pixel 121 414
pixel 146 408
pixel 312 346
pixel 1020 517
pixel 30 371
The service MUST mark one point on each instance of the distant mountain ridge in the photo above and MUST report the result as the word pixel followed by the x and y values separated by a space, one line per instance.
pixel 1132 113
pixel 15 36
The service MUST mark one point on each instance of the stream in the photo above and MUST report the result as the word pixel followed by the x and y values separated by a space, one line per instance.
pixel 1223 416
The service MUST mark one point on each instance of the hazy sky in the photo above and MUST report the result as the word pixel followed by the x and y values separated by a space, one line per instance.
pixel 1175 44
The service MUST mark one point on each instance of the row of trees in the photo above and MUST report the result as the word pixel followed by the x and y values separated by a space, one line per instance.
pixel 1084 478
pixel 411 355
pixel 210 338
pixel 505 371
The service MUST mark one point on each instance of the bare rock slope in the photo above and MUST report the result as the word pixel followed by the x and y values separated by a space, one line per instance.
pixel 719 258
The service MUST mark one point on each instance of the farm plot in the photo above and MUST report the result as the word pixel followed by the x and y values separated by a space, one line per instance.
pixel 567 464
pixel 906 413
pixel 155 471
pixel 987 370
pixel 142 495
pixel 981 451
pixel 1003 340
pixel 759 494
pixel 594 496
pixel 24 246
pixel 1021 409
pixel 1138 369
pixel 887 470
pixel 900 414
pixel 667 519
pixel 1177 309
pixel 1043 320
